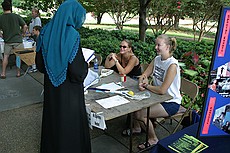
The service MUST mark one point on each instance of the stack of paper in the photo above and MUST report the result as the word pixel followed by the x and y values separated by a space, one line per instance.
pixel 187 144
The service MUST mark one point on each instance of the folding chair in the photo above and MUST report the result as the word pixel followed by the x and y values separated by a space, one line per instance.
pixel 191 90
pixel 144 67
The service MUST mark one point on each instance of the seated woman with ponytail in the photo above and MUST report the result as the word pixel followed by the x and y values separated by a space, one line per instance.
pixel 166 80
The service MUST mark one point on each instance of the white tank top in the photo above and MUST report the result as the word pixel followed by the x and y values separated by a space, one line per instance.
pixel 159 73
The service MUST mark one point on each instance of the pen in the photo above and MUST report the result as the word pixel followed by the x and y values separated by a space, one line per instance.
pixel 98 89
pixel 111 57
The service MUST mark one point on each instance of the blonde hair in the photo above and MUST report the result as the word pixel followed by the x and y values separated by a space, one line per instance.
pixel 169 41
pixel 129 44
pixel 36 11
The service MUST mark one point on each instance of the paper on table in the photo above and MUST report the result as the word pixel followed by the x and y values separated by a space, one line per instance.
pixel 110 86
pixel 88 54
pixel 91 79
pixel 112 101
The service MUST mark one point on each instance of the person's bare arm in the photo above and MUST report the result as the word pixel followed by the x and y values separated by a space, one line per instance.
pixel 125 70
pixel 170 75
pixel 143 79
pixel 24 29
pixel 109 61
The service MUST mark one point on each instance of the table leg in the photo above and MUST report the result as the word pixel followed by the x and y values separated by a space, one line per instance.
pixel 27 70
pixel 147 133
pixel 131 134
pixel 147 128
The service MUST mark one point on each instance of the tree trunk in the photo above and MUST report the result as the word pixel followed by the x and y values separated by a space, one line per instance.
pixel 99 17
pixel 176 22
pixel 143 25
pixel 201 35
pixel 194 29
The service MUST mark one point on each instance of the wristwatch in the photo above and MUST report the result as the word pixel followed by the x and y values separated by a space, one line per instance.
pixel 116 61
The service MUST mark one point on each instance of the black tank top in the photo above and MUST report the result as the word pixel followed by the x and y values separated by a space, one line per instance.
pixel 136 71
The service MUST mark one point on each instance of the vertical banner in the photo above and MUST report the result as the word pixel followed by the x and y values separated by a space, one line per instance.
pixel 215 119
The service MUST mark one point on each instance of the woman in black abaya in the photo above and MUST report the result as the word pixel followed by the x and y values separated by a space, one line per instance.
pixel 59 56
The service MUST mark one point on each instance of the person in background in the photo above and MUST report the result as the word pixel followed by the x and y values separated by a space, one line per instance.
pixel 125 62
pixel 59 56
pixel 35 32
pixel 11 25
pixel 166 80
pixel 36 21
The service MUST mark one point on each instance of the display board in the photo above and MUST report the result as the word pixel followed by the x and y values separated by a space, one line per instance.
pixel 215 120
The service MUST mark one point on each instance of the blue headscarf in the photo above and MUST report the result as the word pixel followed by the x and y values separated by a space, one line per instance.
pixel 59 40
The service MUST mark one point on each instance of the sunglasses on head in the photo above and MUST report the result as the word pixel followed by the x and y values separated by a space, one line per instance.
pixel 123 46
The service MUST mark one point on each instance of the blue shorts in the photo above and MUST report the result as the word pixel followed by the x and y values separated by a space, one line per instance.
pixel 171 107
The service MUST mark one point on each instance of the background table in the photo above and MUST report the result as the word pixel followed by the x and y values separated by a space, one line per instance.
pixel 27 55
pixel 216 144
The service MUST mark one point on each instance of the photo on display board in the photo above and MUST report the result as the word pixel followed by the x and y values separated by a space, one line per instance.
pixel 222 118
pixel 220 80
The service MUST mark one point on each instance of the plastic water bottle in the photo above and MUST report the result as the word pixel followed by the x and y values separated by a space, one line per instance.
pixel 95 65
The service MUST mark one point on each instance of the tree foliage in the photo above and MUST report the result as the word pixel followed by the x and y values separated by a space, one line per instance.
pixel 122 11
pixel 97 7
pixel 162 15
pixel 203 12
pixel 43 5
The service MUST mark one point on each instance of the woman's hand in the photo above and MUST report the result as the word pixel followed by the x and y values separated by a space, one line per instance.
pixel 142 86
pixel 113 56
pixel 110 60
pixel 143 82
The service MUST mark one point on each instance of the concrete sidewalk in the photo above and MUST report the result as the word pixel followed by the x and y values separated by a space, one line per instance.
pixel 20 124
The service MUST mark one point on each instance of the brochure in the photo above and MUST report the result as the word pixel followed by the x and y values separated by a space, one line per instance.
pixel 187 144
pixel 88 54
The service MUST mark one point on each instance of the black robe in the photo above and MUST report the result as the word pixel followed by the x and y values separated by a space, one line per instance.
pixel 64 122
